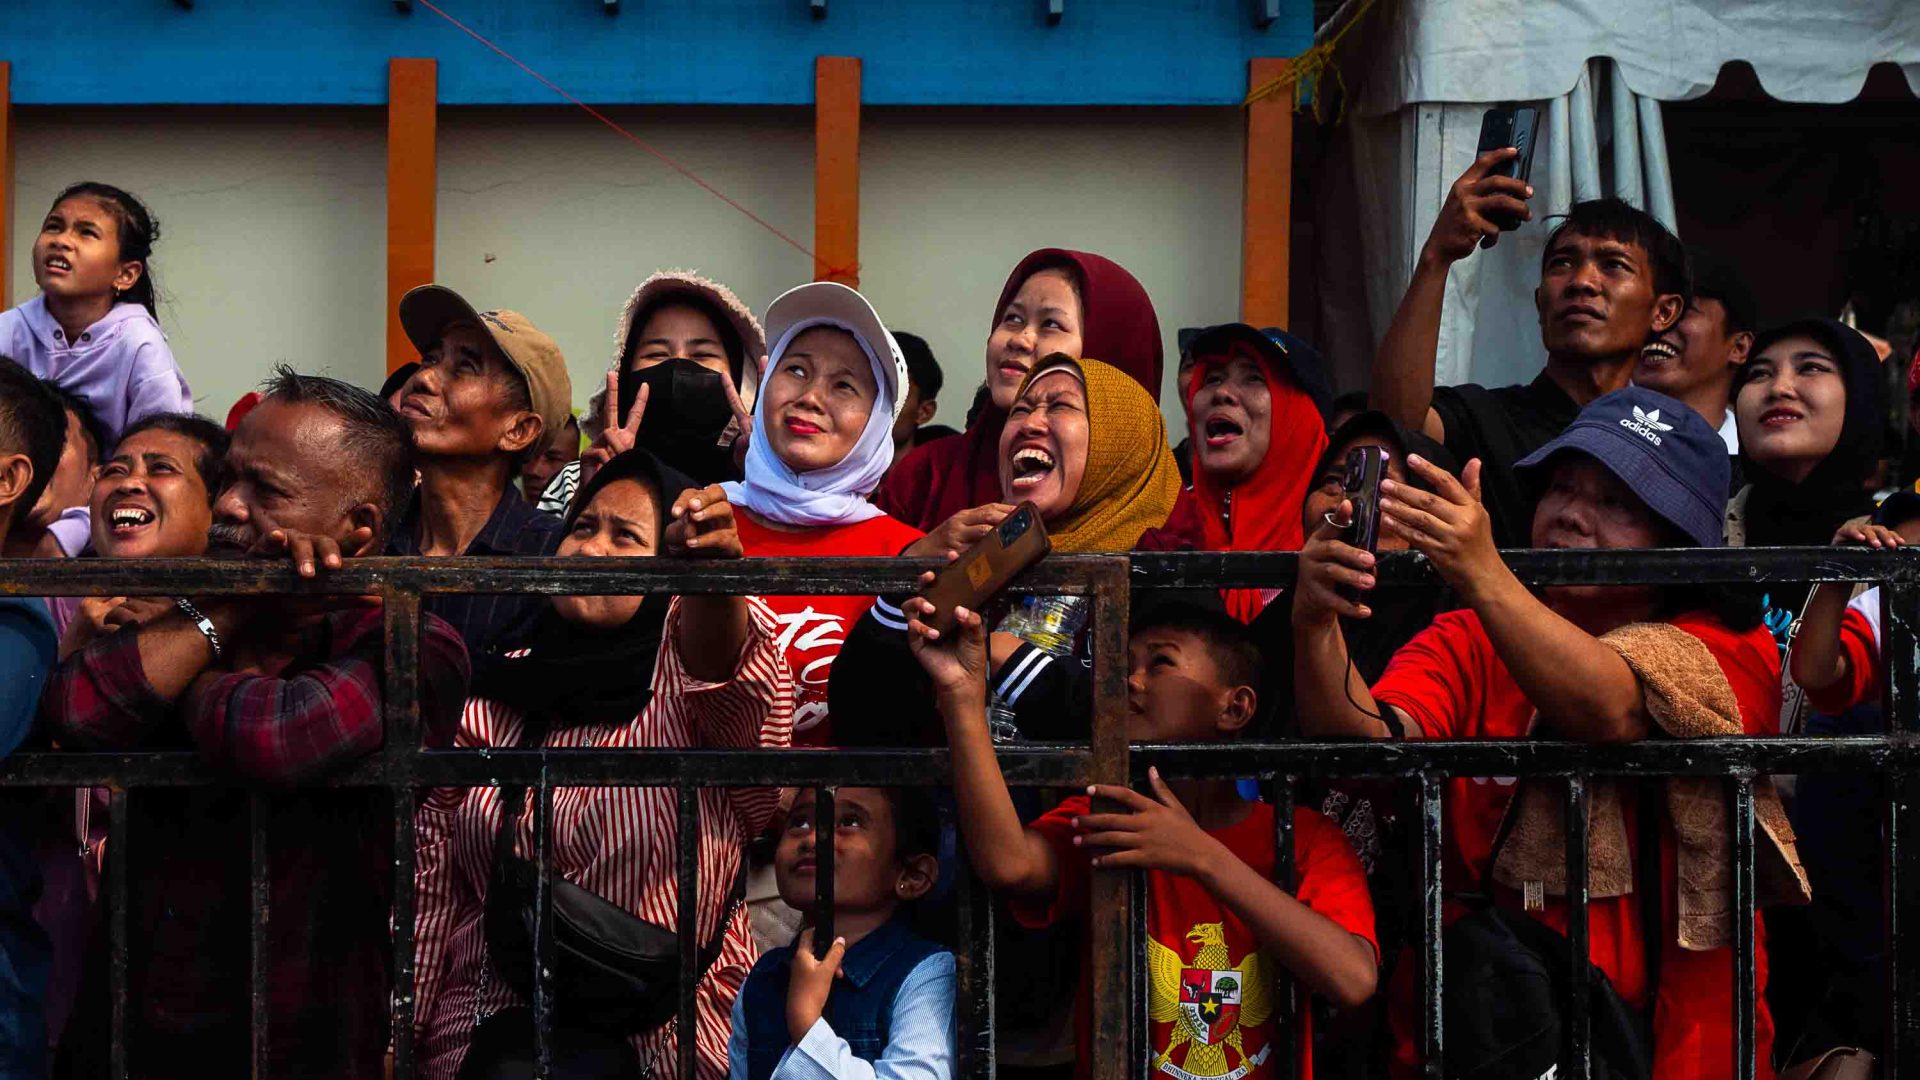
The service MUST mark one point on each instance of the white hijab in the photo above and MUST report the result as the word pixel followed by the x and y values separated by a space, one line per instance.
pixel 837 494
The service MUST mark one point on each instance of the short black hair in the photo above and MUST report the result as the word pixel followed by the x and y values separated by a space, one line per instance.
pixel 90 426
pixel 1617 219
pixel 375 436
pixel 1715 278
pixel 211 462
pixel 1228 641
pixel 923 371
pixel 32 422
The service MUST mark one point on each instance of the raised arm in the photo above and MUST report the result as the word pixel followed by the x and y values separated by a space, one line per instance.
pixel 1330 697
pixel 713 628
pixel 1819 659
pixel 1004 852
pixel 1595 696
pixel 1401 382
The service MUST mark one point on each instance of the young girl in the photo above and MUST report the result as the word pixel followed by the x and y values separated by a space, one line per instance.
pixel 93 329
pixel 881 1001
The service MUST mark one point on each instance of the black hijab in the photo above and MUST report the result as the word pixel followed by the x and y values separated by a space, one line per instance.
pixel 1781 513
pixel 570 675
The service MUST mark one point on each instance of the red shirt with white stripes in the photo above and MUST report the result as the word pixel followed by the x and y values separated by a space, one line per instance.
pixel 618 843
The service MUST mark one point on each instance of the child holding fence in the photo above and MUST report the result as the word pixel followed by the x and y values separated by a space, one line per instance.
pixel 1219 928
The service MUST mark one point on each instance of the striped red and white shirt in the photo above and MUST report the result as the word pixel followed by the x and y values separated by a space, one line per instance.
pixel 618 843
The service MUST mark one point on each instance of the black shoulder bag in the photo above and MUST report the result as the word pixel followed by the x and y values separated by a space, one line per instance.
pixel 612 970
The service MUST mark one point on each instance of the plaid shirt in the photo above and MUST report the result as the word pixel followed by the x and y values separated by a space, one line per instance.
pixel 490 625
pixel 330 869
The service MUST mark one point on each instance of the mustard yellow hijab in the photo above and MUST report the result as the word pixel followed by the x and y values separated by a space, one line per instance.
pixel 1130 482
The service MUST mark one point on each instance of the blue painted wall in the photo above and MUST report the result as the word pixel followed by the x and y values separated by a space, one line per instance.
pixel 937 52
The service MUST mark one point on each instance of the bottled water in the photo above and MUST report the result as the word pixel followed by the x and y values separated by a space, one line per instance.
pixel 1048 623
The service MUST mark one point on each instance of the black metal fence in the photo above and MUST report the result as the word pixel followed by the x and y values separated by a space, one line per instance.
pixel 1116 957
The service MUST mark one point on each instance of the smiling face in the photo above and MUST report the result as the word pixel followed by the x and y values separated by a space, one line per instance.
pixel 1043 318
pixel 1231 417
pixel 1043 447
pixel 467 400
pixel 1791 407
pixel 869 874
pixel 622 520
pixel 1596 299
pixel 679 332
pixel 150 499
pixel 818 399
pixel 1696 353
pixel 77 253
pixel 1177 691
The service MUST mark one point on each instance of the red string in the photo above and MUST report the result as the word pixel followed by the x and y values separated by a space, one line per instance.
pixel 639 142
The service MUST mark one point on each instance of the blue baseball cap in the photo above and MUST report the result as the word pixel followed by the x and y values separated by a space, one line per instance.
pixel 1661 449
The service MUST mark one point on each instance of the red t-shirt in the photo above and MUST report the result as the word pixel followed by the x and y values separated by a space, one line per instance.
pixel 1450 682
pixel 812 628
pixel 1210 987
pixel 1860 643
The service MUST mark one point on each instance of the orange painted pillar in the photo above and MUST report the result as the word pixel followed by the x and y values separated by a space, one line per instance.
pixel 6 183
pixel 412 174
pixel 1267 222
pixel 836 169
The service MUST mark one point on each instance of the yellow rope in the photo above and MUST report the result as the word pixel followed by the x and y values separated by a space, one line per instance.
pixel 1308 68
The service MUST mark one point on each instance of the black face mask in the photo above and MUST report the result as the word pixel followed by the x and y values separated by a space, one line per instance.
pixel 687 414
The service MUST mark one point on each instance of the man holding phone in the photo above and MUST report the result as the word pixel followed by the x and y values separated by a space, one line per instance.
pixel 1611 278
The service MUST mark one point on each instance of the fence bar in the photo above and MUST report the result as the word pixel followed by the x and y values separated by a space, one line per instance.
pixel 1432 925
pixel 1288 1000
pixel 1110 896
pixel 542 930
pixel 973 977
pixel 117 942
pixel 687 863
pixel 260 886
pixel 400 715
pixel 1900 650
pixel 400 1008
pixel 1743 919
pixel 826 827
pixel 1575 1057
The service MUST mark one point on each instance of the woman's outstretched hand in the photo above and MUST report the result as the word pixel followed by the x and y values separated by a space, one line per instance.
pixel 1447 524
pixel 702 525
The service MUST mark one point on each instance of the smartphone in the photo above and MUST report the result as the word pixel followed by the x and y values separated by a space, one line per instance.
pixel 986 567
pixel 1366 467
pixel 1515 126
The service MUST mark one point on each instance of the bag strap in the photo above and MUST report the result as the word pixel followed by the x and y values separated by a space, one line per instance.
pixel 514 800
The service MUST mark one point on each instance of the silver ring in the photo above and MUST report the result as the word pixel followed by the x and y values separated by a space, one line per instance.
pixel 1328 516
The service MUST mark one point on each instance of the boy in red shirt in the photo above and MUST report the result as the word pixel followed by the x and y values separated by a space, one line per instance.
pixel 1637 469
pixel 1219 928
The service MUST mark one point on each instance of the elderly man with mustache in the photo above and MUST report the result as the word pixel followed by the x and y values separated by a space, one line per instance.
pixel 275 694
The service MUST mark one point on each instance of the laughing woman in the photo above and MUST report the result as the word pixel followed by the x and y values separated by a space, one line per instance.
pixel 714 678
pixel 1069 303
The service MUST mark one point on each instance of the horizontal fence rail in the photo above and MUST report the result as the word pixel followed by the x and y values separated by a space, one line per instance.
pixel 1117 934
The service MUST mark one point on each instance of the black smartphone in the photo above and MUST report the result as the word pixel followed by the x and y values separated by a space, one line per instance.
pixel 1515 126
pixel 1366 467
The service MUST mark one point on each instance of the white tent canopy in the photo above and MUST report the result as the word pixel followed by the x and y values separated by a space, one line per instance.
pixel 1600 69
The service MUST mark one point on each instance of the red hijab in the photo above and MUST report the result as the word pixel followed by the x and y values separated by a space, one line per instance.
pixel 1262 513
pixel 1117 325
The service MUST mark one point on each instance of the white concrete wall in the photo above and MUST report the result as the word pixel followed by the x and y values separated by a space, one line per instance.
pixel 273 245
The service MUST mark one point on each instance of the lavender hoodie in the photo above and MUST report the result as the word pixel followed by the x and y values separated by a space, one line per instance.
pixel 121 365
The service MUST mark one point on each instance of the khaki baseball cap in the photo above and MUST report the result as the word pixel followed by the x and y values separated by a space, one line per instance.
pixel 426 311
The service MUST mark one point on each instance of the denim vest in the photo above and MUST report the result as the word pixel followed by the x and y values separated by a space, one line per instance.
pixel 860 1009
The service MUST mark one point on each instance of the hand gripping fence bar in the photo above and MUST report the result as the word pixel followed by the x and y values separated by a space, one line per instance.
pixel 1120 1048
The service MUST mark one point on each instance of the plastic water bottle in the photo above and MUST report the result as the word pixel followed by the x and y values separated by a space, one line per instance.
pixel 1048 623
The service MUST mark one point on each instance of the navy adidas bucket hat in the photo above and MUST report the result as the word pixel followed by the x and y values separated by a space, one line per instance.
pixel 1661 449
